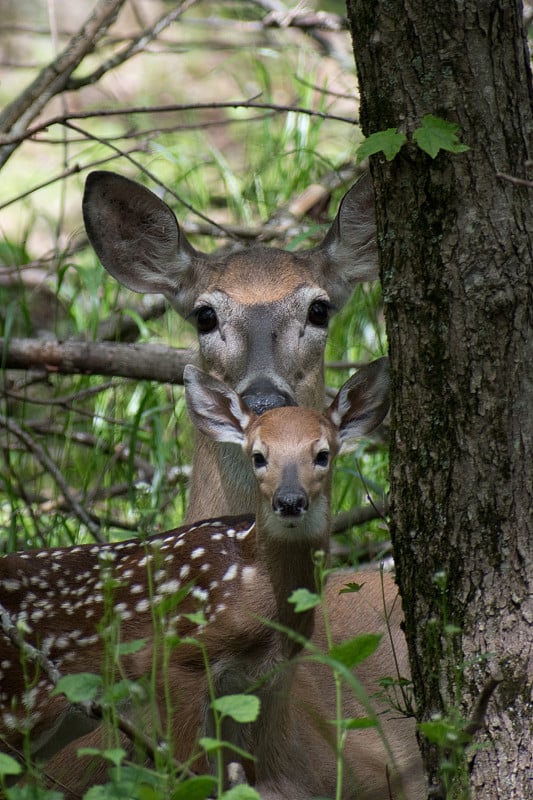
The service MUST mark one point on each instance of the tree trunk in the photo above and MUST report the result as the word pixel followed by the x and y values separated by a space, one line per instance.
pixel 457 255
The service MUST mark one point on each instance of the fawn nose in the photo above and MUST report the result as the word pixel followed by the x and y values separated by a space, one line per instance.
pixel 262 395
pixel 290 503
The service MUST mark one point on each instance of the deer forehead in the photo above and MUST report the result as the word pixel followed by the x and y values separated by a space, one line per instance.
pixel 264 275
pixel 291 433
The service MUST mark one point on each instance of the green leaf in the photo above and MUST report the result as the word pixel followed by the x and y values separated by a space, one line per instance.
pixel 8 765
pixel 128 648
pixel 349 588
pixel 354 651
pixel 196 617
pixel 241 792
pixel 389 142
pixel 116 754
pixel 197 788
pixel 437 134
pixel 32 793
pixel 304 600
pixel 359 723
pixel 209 744
pixel 79 688
pixel 240 707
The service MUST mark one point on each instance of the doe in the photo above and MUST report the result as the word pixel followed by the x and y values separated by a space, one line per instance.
pixel 261 313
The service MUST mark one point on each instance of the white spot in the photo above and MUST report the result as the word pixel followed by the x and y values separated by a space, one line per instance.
pixel 185 570
pixel 200 594
pixel 11 585
pixel 205 567
pixel 169 587
pixel 142 605
pixel 249 574
pixel 198 552
pixel 231 573
pixel 137 588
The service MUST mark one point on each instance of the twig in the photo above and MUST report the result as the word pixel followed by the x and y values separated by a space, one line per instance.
pixel 516 181
pixel 44 459
pixel 136 46
pixel 52 80
pixel 63 119
pixel 358 516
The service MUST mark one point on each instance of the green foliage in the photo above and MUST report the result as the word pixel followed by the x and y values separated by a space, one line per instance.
pixel 8 765
pixel 356 650
pixel 304 600
pixel 388 142
pixel 436 134
pixel 432 136
pixel 79 688
pixel 240 707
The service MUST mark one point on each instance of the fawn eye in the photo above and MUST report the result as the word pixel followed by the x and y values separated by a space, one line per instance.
pixel 259 460
pixel 206 319
pixel 318 313
pixel 322 458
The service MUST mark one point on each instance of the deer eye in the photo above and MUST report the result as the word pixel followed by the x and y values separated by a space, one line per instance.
pixel 322 458
pixel 259 460
pixel 206 319
pixel 319 313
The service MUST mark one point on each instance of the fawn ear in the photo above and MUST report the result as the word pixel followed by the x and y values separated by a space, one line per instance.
pixel 361 404
pixel 214 408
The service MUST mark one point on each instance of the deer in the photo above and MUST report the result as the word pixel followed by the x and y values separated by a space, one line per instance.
pixel 261 314
pixel 239 571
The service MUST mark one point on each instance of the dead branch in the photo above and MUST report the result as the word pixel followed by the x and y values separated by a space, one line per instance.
pixel 8 138
pixel 345 520
pixel 51 467
pixel 154 362
pixel 53 79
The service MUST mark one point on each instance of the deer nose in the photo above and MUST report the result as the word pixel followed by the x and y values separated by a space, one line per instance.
pixel 263 395
pixel 290 503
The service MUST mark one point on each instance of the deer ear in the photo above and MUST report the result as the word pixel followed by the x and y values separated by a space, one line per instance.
pixel 350 246
pixel 361 404
pixel 137 238
pixel 214 408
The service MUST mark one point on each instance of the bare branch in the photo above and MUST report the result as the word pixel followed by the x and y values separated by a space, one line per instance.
pixel 136 46
pixel 155 362
pixel 15 137
pixel 53 79
pixel 358 516
pixel 44 459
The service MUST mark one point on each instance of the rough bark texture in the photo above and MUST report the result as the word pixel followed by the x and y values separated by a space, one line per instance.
pixel 457 256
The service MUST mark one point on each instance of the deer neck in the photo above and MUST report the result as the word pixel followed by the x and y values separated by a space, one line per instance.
pixel 221 483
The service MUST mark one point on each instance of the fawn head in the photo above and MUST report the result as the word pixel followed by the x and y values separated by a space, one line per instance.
pixel 261 313
pixel 291 450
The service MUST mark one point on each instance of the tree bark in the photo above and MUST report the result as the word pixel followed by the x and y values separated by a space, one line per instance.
pixel 456 257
